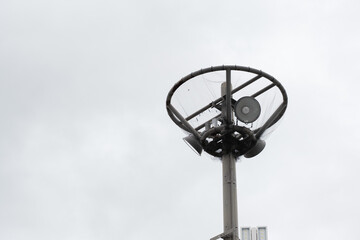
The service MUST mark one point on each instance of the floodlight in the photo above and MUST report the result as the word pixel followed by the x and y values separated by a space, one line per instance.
pixel 193 143
pixel 245 233
pixel 247 109
pixel 262 233
pixel 256 149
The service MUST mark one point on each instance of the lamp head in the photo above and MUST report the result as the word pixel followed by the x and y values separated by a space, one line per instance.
pixel 193 143
pixel 256 149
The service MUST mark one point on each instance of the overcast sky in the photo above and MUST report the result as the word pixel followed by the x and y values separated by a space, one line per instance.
pixel 87 150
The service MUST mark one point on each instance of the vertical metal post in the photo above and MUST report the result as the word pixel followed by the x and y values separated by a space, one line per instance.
pixel 230 197
pixel 228 114
pixel 230 212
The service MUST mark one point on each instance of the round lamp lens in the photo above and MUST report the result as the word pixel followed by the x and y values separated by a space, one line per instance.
pixel 245 110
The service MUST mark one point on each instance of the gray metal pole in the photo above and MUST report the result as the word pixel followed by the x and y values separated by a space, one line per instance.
pixel 230 212
pixel 230 197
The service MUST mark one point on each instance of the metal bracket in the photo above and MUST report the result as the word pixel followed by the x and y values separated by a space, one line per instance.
pixel 224 234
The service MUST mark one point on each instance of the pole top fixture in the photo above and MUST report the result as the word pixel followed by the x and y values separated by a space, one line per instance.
pixel 227 109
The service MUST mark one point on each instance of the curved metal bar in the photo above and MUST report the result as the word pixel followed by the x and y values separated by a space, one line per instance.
pixel 271 121
pixel 263 90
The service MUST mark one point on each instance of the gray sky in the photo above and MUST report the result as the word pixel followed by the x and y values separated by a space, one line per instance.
pixel 87 150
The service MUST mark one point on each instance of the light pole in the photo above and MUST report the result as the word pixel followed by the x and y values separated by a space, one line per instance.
pixel 234 128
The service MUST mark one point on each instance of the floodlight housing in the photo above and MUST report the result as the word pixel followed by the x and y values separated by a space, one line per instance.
pixel 247 109
pixel 193 143
pixel 254 233
pixel 262 233
pixel 245 233
pixel 256 149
